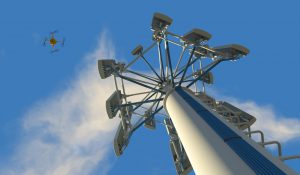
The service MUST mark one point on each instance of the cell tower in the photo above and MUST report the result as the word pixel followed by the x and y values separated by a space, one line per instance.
pixel 207 136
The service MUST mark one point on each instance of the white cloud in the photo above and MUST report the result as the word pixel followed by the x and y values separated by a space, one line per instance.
pixel 69 133
pixel 274 126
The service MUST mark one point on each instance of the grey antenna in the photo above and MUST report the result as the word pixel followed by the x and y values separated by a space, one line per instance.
pixel 150 124
pixel 156 84
pixel 208 78
pixel 113 104
pixel 232 51
pixel 196 36
pixel 105 68
pixel 108 67
pixel 121 140
pixel 160 21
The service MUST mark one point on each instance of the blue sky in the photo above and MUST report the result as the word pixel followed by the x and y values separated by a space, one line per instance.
pixel 35 83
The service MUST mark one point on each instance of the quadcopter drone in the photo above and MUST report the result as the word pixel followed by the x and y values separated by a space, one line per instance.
pixel 53 42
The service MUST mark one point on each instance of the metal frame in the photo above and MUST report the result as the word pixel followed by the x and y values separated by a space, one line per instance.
pixel 168 77
pixel 186 72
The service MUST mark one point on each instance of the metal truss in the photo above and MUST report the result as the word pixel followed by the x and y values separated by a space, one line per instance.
pixel 158 73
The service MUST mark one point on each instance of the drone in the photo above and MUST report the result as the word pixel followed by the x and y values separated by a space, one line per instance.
pixel 53 42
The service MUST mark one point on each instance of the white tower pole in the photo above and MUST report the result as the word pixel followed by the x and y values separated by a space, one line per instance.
pixel 212 145
pixel 211 152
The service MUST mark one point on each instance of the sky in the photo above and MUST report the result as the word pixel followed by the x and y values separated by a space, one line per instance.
pixel 52 114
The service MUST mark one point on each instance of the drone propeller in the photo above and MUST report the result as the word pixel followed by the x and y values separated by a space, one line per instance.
pixel 44 42
pixel 55 50
pixel 63 42
pixel 55 31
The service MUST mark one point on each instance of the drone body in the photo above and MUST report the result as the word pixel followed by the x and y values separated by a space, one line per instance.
pixel 53 42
